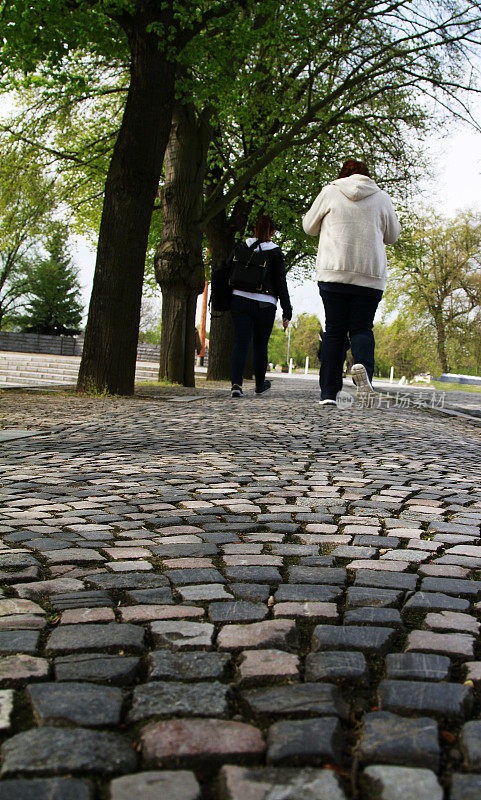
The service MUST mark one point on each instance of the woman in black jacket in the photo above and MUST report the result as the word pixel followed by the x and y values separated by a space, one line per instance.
pixel 253 313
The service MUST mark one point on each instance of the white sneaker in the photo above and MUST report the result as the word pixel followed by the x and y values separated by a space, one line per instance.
pixel 327 403
pixel 361 380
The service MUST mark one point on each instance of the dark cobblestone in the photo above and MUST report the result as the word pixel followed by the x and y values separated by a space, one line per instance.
pixel 92 706
pixel 96 667
pixel 46 789
pixel 418 666
pixel 443 699
pixel 187 666
pixel 335 666
pixel 465 787
pixel 44 751
pixel 390 739
pixel 158 699
pixel 312 741
pixel 312 699
pixel 95 637
pixel 153 537
pixel 367 639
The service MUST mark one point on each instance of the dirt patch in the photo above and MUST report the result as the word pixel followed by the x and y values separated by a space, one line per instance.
pixel 28 408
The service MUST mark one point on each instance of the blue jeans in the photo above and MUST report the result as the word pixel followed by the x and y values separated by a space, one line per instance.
pixel 251 320
pixel 346 315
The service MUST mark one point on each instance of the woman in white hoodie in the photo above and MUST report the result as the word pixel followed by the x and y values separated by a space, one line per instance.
pixel 354 219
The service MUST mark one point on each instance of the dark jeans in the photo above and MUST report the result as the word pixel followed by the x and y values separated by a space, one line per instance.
pixel 251 319
pixel 346 315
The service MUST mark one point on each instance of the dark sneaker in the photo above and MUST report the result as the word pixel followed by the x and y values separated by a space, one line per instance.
pixel 236 390
pixel 263 389
pixel 361 380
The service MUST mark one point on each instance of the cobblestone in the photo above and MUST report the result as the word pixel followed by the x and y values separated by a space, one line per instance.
pixel 181 785
pixel 199 595
pixel 311 699
pixel 335 666
pixel 471 744
pixel 190 742
pixel 443 699
pixel 44 751
pixel 267 666
pixel 159 699
pixel 312 741
pixel 280 634
pixel 46 789
pixel 261 783
pixel 465 787
pixel 400 783
pixel 412 666
pixel 390 739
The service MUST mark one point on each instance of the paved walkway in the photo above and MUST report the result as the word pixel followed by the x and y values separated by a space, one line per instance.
pixel 246 600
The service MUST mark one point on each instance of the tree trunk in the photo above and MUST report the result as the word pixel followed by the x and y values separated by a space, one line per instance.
pixel 221 241
pixel 177 350
pixel 179 263
pixel 110 349
pixel 221 233
pixel 440 339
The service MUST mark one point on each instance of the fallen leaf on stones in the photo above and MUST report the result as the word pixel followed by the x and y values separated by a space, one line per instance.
pixel 469 683
pixel 449 737
pixel 270 601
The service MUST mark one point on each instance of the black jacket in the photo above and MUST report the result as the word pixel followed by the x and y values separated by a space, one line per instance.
pixel 275 280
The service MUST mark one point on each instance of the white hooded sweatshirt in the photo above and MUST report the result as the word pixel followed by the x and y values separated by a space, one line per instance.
pixel 354 219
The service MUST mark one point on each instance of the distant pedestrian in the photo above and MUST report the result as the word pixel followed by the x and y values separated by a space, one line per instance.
pixel 253 312
pixel 354 219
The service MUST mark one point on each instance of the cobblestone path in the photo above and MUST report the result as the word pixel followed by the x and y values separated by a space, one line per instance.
pixel 246 600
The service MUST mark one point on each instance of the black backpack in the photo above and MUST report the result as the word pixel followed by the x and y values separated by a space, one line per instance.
pixel 220 291
pixel 244 269
pixel 248 268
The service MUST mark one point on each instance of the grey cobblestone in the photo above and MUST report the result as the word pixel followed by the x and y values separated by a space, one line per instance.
pixel 46 789
pixel 181 785
pixel 188 586
pixel 260 783
pixel 390 739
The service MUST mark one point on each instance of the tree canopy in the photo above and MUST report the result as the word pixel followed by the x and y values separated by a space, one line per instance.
pixel 52 304
pixel 28 201
pixel 288 87
pixel 435 277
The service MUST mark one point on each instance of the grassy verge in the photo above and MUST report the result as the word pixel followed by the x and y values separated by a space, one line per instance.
pixel 440 386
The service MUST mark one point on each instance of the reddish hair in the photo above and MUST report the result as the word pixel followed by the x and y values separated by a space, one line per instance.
pixel 264 228
pixel 353 167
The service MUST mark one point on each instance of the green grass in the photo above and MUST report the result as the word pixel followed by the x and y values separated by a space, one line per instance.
pixel 454 387
pixel 163 382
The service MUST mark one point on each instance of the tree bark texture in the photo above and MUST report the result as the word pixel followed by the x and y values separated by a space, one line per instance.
pixel 110 349
pixel 221 237
pixel 179 263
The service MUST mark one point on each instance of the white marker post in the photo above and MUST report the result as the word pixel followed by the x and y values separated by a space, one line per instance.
pixel 306 368
pixel 290 366
pixel 391 377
